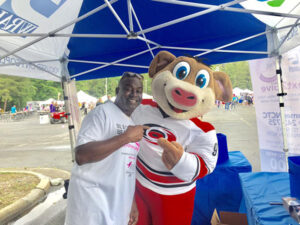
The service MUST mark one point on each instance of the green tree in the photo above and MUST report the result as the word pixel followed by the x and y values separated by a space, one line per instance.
pixel 238 72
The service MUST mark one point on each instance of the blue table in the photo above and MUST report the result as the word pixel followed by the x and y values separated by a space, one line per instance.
pixel 259 189
pixel 221 189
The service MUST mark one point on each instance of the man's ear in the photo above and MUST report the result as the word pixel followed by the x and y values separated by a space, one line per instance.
pixel 223 87
pixel 160 61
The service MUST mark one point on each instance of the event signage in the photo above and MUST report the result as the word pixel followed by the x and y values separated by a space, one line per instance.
pixel 265 87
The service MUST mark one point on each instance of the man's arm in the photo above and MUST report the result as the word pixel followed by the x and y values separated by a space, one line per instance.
pixel 134 214
pixel 97 150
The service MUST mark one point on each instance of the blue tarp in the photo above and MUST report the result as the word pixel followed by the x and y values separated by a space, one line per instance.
pixel 208 31
pixel 220 190
pixel 259 189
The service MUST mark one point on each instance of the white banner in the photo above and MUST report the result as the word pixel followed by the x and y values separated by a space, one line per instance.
pixel 283 6
pixel 40 17
pixel 265 87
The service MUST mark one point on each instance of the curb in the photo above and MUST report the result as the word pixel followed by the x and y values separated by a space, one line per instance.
pixel 24 204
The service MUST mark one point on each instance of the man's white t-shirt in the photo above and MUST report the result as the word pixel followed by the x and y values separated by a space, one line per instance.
pixel 101 193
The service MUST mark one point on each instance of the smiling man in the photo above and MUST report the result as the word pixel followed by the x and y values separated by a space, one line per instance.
pixel 102 184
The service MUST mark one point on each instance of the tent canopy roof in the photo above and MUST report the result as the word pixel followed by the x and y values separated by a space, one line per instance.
pixel 95 39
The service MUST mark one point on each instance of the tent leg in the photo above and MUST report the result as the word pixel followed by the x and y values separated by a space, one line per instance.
pixel 70 119
pixel 281 105
pixel 66 94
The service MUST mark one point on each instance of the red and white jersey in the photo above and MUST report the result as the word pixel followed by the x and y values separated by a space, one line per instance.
pixel 197 138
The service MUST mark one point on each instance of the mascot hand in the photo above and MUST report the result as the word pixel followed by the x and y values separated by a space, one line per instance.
pixel 172 152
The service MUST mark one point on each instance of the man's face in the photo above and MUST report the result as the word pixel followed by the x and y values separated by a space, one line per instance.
pixel 130 94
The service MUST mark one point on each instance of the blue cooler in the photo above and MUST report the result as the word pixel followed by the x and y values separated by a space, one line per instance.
pixel 294 172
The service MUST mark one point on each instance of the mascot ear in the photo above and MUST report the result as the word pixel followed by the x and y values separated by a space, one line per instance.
pixel 160 61
pixel 223 87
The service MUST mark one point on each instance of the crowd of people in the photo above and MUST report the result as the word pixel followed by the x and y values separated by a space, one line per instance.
pixel 246 99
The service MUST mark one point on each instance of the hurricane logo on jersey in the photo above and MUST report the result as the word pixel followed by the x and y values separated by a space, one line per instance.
pixel 154 132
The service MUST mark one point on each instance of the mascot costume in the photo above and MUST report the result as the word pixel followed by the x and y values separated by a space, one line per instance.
pixel 178 148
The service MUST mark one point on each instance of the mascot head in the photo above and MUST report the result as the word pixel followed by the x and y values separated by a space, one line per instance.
pixel 185 88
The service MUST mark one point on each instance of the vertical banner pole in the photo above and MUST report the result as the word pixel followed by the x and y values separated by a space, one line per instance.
pixel 281 105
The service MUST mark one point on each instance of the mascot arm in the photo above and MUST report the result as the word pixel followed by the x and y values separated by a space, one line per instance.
pixel 199 159
pixel 205 148
pixel 187 167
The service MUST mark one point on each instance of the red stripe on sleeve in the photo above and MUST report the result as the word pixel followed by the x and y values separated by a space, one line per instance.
pixel 202 125
pixel 203 169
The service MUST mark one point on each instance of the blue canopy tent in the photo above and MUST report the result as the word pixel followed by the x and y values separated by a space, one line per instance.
pixel 132 37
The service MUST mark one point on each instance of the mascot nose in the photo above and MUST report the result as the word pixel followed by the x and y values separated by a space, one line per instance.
pixel 183 97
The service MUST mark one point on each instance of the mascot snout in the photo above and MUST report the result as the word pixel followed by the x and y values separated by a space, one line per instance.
pixel 183 97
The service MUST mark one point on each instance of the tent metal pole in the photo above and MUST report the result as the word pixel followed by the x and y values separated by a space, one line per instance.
pixel 106 63
pixel 66 35
pixel 140 27
pixel 57 29
pixel 94 35
pixel 19 63
pixel 288 13
pixel 233 43
pixel 148 41
pixel 286 36
pixel 129 8
pixel 27 62
pixel 199 5
pixel 66 94
pixel 280 94
pixel 112 63
pixel 212 9
pixel 117 16
pixel 203 49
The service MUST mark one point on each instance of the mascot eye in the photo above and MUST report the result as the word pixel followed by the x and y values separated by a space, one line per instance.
pixel 181 70
pixel 202 79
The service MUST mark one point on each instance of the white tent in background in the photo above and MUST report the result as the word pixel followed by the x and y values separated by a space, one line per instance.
pixel 104 98
pixel 247 91
pixel 48 102
pixel 146 96
pixel 237 91
pixel 84 97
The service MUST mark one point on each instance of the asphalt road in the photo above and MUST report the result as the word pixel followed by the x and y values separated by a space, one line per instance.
pixel 28 143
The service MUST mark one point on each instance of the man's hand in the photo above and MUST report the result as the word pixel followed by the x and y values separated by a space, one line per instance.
pixel 172 152
pixel 134 214
pixel 135 133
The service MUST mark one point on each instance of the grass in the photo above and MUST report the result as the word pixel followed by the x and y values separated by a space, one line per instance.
pixel 14 186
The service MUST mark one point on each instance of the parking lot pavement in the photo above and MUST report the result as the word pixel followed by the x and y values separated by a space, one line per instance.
pixel 27 143
pixel 239 125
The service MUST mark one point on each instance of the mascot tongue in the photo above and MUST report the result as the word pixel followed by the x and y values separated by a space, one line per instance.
pixel 177 110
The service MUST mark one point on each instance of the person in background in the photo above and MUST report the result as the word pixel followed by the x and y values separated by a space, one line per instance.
pixel 108 98
pixel 102 184
pixel 99 102
pixel 13 110
pixel 52 107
